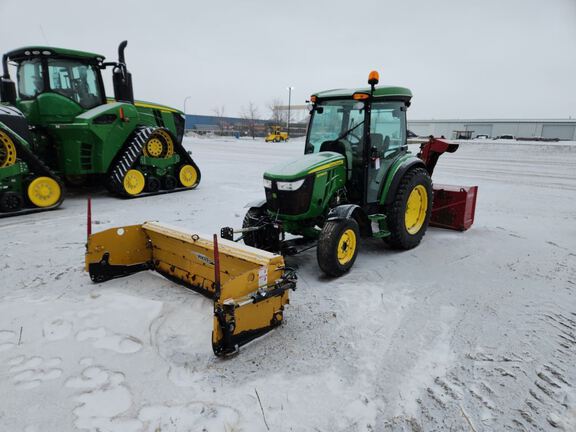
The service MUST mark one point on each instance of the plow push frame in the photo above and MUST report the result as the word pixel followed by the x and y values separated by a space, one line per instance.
pixel 249 286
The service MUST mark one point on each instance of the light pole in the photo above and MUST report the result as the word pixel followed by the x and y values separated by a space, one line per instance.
pixel 186 100
pixel 289 101
pixel 184 109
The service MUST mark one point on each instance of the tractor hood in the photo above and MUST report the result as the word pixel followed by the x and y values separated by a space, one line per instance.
pixel 304 165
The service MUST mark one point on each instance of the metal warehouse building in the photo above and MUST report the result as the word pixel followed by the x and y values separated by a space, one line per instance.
pixel 563 129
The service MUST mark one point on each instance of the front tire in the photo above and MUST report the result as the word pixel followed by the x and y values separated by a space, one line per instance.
pixel 410 211
pixel 338 246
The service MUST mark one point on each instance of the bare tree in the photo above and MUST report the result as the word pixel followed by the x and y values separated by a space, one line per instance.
pixel 250 117
pixel 277 115
pixel 221 122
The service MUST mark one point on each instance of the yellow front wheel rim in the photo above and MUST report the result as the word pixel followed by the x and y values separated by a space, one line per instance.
pixel 346 246
pixel 416 209
pixel 44 192
pixel 7 150
pixel 188 176
pixel 134 182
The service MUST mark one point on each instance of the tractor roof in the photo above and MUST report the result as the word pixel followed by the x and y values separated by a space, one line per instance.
pixel 392 92
pixel 35 51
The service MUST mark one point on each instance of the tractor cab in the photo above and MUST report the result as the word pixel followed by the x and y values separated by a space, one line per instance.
pixel 53 82
pixel 55 85
pixel 368 128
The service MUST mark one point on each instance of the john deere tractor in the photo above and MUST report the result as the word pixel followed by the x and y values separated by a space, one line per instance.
pixel 57 123
pixel 356 179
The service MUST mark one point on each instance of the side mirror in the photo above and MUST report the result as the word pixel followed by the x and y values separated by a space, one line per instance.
pixel 7 91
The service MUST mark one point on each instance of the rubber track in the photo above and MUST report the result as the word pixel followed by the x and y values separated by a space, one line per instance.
pixel 38 169
pixel 129 156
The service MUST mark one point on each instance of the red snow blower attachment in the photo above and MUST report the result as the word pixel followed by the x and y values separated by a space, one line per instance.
pixel 453 206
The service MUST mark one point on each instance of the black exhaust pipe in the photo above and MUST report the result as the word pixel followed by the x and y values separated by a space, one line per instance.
pixel 7 86
pixel 121 49
pixel 122 79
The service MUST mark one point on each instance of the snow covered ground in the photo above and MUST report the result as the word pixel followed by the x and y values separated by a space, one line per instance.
pixel 470 331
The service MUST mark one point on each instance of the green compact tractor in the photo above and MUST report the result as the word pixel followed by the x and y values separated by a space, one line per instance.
pixel 356 179
pixel 58 124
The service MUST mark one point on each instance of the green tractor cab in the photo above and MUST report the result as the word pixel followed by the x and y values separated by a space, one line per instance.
pixel 356 179
pixel 58 118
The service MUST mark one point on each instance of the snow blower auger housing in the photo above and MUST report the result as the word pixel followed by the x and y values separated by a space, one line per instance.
pixel 356 180
pixel 70 128
pixel 249 286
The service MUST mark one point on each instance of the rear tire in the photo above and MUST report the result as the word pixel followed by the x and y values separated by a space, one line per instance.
pixel 410 211
pixel 266 238
pixel 338 246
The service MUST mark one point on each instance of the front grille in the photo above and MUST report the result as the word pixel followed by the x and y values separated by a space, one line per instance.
pixel 86 156
pixel 290 202
pixel 180 124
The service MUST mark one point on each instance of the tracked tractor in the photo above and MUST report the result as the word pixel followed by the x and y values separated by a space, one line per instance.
pixel 57 125
pixel 356 180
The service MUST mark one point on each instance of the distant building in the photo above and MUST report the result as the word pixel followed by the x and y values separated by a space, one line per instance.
pixel 562 129
pixel 204 124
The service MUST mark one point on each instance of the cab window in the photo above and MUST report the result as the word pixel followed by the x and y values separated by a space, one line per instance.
pixel 30 79
pixel 76 81
pixel 386 127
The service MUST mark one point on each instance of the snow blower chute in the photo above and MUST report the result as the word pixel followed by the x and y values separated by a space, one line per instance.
pixel 249 286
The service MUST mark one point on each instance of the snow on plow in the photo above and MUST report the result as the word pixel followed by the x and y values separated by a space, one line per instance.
pixel 249 286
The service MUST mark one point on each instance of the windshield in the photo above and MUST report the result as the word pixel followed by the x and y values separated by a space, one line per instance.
pixel 75 80
pixel 337 119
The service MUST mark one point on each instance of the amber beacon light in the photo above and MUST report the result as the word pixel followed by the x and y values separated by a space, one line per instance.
pixel 373 78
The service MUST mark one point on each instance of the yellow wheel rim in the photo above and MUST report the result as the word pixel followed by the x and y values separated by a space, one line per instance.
pixel 346 246
pixel 160 145
pixel 416 209
pixel 188 176
pixel 134 182
pixel 7 150
pixel 44 192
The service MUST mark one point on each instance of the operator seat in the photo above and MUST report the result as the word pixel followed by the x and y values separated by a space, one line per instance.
pixel 380 142
pixel 375 177
pixel 340 147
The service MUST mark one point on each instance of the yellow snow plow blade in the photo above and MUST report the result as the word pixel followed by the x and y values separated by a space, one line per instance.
pixel 249 286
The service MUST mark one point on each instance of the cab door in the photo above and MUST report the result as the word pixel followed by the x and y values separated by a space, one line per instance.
pixel 387 140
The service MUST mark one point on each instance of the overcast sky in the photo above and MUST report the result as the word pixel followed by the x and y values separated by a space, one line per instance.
pixel 462 59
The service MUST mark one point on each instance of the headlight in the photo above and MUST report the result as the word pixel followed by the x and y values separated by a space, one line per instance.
pixel 290 186
pixel 268 184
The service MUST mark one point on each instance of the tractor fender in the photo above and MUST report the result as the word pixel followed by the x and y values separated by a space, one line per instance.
pixel 347 211
pixel 257 203
pixel 390 186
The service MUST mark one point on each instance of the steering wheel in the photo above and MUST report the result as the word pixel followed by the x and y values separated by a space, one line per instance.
pixel 356 140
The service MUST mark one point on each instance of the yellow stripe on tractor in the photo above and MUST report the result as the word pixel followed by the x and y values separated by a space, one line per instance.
pixel 326 166
pixel 249 286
